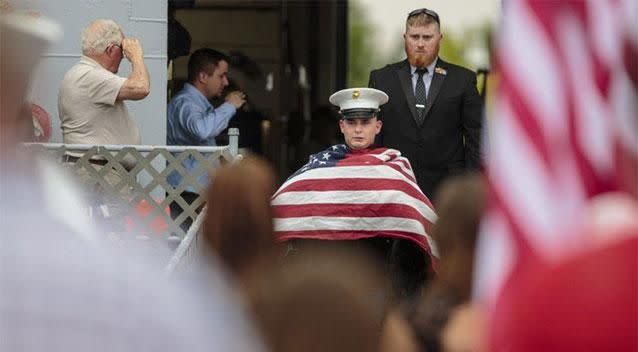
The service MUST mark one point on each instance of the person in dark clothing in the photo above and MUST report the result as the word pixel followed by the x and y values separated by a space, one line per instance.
pixel 434 116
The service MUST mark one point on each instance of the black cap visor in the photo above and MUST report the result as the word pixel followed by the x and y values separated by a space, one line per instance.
pixel 360 113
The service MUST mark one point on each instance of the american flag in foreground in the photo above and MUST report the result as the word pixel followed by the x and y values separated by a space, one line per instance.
pixel 342 194
pixel 564 131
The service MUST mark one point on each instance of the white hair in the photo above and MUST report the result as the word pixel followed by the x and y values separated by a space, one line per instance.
pixel 98 35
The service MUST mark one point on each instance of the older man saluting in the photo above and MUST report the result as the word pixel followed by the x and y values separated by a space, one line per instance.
pixel 91 97
pixel 92 110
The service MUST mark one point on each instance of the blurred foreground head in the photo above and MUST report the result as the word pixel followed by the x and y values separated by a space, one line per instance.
pixel 238 226
pixel 460 203
pixel 429 315
pixel 320 302
pixel 588 303
pixel 61 295
pixel 24 39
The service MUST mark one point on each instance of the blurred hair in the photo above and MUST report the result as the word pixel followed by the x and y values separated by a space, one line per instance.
pixel 397 334
pixel 204 60
pixel 465 329
pixel 410 269
pixel 99 34
pixel 238 226
pixel 459 203
pixel 429 315
pixel 326 300
pixel 420 21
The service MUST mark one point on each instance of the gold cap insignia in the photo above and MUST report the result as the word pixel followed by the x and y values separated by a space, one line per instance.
pixel 356 94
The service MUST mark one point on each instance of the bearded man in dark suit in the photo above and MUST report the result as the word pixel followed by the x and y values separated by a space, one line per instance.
pixel 434 116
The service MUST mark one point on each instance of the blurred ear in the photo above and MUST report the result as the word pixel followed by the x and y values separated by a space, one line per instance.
pixel 202 77
pixel 115 49
pixel 379 124
pixel 109 50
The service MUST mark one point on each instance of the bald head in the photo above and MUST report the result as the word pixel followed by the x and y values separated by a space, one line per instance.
pixel 97 36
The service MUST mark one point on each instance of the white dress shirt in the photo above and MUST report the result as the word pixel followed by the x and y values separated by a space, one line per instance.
pixel 427 78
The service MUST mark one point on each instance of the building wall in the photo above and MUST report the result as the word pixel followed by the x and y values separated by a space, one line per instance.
pixel 144 19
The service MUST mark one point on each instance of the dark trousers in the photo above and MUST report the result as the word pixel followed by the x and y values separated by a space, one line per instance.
pixel 409 268
pixel 405 265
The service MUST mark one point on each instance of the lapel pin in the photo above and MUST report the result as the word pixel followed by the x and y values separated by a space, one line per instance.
pixel 440 70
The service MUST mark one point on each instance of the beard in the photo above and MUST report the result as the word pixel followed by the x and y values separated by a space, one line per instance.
pixel 418 60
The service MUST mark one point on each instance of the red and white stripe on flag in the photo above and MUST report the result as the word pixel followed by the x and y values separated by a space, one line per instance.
pixel 564 130
pixel 361 195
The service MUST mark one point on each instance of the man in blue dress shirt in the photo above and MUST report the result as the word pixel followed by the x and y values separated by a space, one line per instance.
pixel 192 119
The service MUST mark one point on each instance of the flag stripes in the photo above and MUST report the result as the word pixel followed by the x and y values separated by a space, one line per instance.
pixel 344 195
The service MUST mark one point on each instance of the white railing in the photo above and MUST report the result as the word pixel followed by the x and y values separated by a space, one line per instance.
pixel 140 173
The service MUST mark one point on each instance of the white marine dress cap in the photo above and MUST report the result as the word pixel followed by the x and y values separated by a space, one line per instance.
pixel 358 102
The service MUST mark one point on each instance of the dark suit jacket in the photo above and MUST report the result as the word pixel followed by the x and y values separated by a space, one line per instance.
pixel 447 142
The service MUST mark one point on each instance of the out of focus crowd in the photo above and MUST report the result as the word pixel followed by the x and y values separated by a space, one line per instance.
pixel 538 252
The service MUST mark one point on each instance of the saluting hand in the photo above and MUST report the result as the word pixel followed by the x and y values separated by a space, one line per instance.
pixel 132 49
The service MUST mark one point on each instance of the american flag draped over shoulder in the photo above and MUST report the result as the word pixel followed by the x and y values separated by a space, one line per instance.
pixel 341 194
pixel 564 130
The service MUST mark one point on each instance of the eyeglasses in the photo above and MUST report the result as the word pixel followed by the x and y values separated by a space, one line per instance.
pixel 427 12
